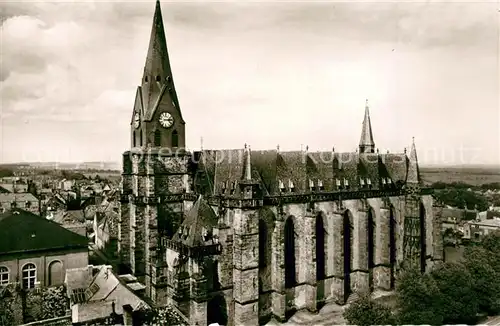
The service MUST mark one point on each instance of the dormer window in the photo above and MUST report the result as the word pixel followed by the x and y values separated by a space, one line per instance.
pixel 369 182
pixel 389 181
pixel 320 185
pixel 223 186
pixel 361 182
pixel 205 234
pixel 233 187
pixel 383 181
pixel 281 185
pixel 291 186
pixel 339 185
pixel 311 185
pixel 346 183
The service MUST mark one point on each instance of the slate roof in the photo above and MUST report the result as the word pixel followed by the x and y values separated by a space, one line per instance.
pixel 24 231
pixel 200 220
pixel 300 169
pixel 458 213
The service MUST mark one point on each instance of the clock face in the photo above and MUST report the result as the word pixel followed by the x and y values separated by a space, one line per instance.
pixel 136 120
pixel 166 120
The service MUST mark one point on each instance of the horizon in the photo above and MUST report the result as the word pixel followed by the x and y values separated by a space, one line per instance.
pixel 281 73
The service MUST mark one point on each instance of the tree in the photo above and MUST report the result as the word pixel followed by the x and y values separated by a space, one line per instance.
pixel 486 285
pixel 459 197
pixel 458 300
pixel 366 312
pixel 418 299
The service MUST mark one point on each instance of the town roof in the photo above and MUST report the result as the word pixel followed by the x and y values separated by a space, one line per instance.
pixel 24 231
pixel 18 197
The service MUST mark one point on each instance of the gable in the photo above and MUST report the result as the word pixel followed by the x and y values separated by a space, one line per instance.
pixel 138 107
pixel 167 102
pixel 23 231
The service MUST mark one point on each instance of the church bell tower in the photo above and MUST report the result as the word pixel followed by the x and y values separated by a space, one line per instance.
pixel 157 120
pixel 156 180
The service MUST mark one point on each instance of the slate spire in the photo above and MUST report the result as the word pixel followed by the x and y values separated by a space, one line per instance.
pixel 157 70
pixel 413 175
pixel 366 143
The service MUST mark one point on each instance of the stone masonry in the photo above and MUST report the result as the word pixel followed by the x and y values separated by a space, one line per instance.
pixel 240 236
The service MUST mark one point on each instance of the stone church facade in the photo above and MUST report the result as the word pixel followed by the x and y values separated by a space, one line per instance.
pixel 240 236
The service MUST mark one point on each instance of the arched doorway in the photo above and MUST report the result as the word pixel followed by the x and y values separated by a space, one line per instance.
pixel 392 246
pixel 370 246
pixel 290 277
pixel 56 273
pixel 423 247
pixel 217 310
pixel 347 251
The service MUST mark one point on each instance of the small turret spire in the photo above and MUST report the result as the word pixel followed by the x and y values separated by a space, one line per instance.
pixel 413 175
pixel 248 164
pixel 366 143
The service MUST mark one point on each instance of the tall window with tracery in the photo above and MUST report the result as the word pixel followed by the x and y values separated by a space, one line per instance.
pixel 29 276
pixel 4 275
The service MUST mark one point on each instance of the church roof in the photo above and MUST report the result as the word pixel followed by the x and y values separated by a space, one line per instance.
pixel 299 169
pixel 199 223
pixel 23 231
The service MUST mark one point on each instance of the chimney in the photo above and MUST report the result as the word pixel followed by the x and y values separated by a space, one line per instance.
pixel 127 315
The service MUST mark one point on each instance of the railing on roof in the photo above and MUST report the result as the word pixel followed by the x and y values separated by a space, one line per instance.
pixel 194 252
pixel 274 200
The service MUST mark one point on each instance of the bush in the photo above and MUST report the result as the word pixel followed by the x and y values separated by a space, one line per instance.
pixel 365 312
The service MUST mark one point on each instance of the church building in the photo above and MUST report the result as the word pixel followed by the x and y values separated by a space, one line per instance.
pixel 239 236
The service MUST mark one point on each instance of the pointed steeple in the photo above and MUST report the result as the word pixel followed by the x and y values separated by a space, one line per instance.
pixel 157 81
pixel 366 143
pixel 248 165
pixel 413 174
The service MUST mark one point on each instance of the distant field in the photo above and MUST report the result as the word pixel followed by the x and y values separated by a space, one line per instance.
pixel 471 175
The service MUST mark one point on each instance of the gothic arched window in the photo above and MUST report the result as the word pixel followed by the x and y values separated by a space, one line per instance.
pixel 290 278
pixel 157 138
pixel 175 139
pixel 133 139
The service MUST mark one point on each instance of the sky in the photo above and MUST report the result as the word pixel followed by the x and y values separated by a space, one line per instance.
pixel 265 73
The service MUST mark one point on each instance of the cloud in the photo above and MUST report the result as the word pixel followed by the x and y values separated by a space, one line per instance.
pixel 279 72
